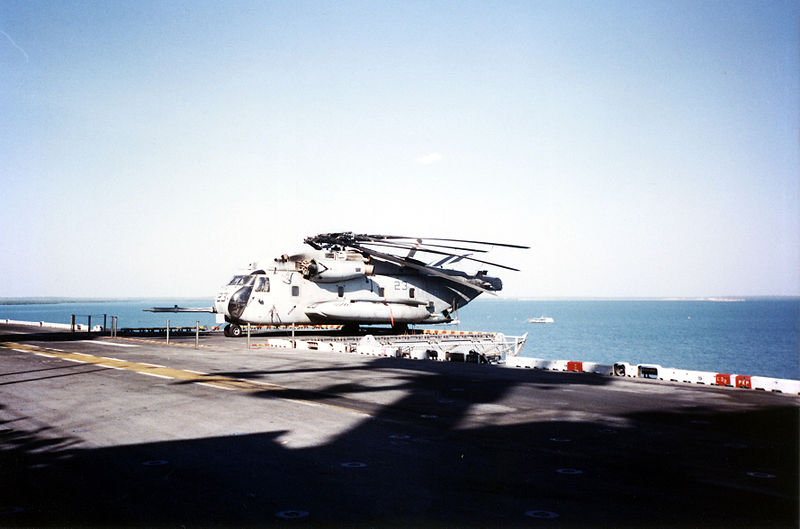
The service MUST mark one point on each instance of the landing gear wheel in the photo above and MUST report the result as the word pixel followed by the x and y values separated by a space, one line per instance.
pixel 227 330
pixel 235 330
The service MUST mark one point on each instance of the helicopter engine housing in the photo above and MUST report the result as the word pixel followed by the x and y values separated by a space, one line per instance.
pixel 335 270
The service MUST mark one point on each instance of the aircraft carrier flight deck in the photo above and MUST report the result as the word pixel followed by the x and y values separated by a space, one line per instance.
pixel 128 432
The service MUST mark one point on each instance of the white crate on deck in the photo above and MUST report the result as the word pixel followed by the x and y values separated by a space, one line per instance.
pixel 791 387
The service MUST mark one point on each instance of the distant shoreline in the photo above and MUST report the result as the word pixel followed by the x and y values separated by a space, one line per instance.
pixel 712 299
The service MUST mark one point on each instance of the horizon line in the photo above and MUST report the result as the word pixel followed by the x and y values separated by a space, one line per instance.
pixel 9 300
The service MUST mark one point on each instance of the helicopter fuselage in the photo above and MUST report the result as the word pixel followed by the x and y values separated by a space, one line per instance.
pixel 344 287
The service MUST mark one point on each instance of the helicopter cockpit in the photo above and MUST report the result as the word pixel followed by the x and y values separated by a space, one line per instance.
pixel 255 279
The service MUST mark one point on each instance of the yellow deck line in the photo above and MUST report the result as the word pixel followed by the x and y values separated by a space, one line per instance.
pixel 147 369
pixel 184 375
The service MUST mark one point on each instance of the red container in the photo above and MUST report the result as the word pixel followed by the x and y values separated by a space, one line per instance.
pixel 575 366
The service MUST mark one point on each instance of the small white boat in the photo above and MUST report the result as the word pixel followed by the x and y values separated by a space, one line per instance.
pixel 541 319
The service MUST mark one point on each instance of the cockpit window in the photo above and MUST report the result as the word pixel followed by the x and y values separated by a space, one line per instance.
pixel 242 280
pixel 262 284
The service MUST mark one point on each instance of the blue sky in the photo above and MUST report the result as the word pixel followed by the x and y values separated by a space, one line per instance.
pixel 640 148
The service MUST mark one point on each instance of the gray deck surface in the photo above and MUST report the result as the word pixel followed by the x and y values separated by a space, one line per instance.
pixel 302 438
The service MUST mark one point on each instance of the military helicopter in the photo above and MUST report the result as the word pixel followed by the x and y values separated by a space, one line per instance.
pixel 351 279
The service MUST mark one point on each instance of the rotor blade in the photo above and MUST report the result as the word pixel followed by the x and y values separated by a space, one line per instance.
pixel 487 243
pixel 357 241
pixel 441 262
pixel 446 253
pixel 422 268
pixel 418 245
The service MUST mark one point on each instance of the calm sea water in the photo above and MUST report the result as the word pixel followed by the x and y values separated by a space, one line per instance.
pixel 754 337
pixel 130 313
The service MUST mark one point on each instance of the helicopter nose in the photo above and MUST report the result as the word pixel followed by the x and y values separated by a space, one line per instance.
pixel 238 301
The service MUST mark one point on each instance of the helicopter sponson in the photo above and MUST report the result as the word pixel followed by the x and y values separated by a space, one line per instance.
pixel 347 280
